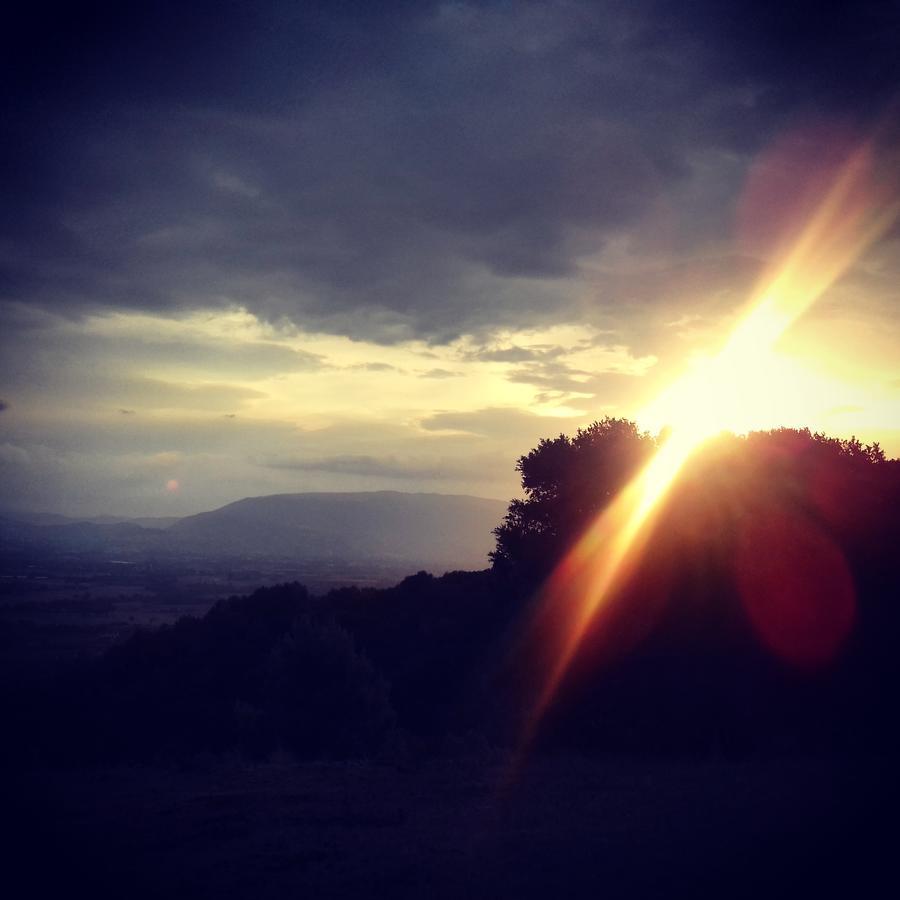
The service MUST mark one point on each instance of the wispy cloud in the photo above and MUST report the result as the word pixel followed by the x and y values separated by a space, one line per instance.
pixel 401 468
pixel 440 373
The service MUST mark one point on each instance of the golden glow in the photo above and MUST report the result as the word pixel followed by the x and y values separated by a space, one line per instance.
pixel 749 385
pixel 176 365
pixel 605 553
pixel 734 390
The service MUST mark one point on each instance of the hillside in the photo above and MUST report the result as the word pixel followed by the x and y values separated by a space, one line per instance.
pixel 437 530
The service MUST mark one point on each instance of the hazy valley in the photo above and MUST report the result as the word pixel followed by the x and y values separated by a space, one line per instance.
pixel 70 586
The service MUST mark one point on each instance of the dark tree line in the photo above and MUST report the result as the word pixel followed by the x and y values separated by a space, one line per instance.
pixel 255 673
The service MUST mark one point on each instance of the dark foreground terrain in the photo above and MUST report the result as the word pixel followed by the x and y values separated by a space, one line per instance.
pixel 726 728
pixel 456 827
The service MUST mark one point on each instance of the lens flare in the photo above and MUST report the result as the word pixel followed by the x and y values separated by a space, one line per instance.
pixel 712 398
pixel 603 557
pixel 796 587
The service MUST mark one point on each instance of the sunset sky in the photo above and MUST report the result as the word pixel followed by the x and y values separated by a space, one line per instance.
pixel 273 247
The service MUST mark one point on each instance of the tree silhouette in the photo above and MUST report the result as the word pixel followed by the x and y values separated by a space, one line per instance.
pixel 322 697
pixel 566 481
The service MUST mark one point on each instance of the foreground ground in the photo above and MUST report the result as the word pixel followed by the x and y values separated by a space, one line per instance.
pixel 456 827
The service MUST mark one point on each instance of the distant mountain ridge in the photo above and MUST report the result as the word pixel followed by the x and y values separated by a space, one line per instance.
pixel 434 529
pixel 52 519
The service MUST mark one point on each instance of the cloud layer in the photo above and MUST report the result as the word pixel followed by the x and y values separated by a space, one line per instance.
pixel 419 170
pixel 279 246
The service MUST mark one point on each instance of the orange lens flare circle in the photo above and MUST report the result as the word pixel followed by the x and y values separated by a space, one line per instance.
pixel 796 588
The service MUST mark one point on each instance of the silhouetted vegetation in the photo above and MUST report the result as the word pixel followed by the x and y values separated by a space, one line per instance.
pixel 566 482
pixel 763 616
pixel 762 619
pixel 255 673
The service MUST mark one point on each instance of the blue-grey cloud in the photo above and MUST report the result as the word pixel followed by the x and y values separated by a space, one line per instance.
pixel 440 373
pixel 506 354
pixel 400 468
pixel 394 170
pixel 506 423
pixel 375 367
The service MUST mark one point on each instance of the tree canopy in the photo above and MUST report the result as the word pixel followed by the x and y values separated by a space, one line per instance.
pixel 566 481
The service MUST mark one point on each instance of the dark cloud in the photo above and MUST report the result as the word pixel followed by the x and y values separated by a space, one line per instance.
pixel 558 383
pixel 497 422
pixel 440 373
pixel 102 436
pixel 838 56
pixel 404 469
pixel 52 359
pixel 507 354
pixel 393 170
pixel 375 367
pixel 553 376
pixel 3 405
pixel 253 359
pixel 155 394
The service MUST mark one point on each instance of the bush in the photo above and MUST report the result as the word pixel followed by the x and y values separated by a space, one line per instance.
pixel 253 674
pixel 321 697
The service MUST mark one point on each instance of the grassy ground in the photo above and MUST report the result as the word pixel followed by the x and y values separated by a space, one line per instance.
pixel 465 827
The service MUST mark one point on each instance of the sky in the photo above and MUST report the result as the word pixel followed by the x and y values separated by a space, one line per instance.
pixel 273 247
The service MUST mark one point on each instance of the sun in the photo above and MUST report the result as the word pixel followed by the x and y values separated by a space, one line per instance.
pixel 748 384
pixel 732 392
pixel 740 388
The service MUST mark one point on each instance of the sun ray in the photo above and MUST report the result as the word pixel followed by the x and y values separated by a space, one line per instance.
pixel 847 219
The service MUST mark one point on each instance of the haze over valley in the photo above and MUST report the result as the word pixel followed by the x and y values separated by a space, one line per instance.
pixel 101 578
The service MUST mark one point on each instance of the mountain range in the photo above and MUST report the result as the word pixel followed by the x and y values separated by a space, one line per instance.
pixel 437 531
